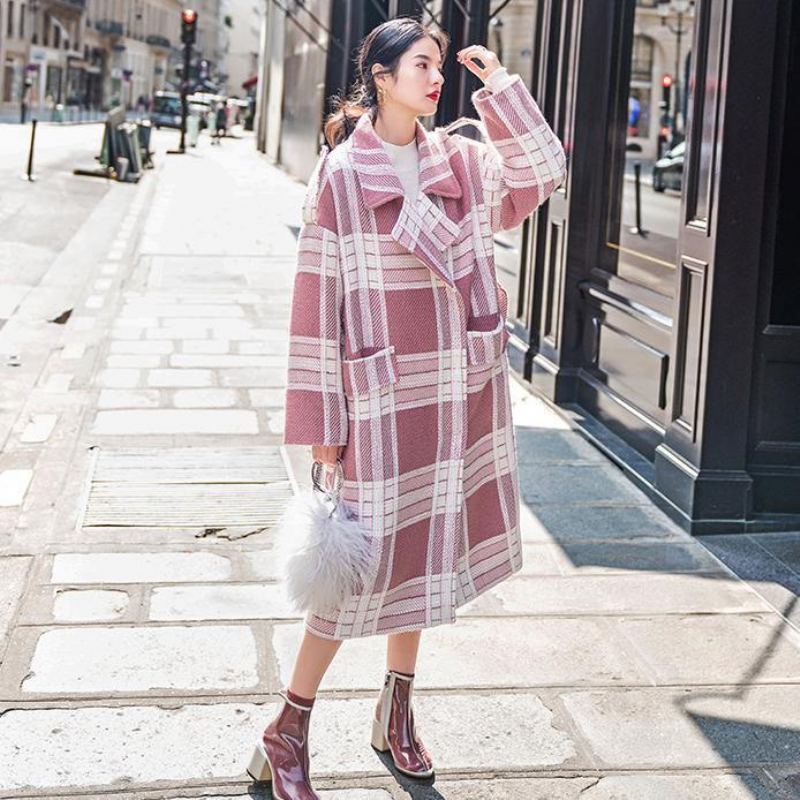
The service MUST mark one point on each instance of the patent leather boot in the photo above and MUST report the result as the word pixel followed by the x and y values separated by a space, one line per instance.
pixel 393 727
pixel 281 756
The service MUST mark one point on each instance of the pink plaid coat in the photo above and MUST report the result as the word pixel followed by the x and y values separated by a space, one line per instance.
pixel 397 346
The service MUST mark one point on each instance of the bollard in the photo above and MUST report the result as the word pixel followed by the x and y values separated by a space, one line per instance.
pixel 29 176
pixel 637 174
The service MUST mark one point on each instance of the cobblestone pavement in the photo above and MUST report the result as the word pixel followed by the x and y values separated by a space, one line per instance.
pixel 142 633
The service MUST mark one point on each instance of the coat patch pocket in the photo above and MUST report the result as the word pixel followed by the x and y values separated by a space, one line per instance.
pixel 486 347
pixel 369 373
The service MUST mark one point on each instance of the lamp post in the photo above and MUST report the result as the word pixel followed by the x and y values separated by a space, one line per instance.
pixel 680 8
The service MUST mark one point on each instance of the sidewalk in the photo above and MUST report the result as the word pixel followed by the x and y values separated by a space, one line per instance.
pixel 142 631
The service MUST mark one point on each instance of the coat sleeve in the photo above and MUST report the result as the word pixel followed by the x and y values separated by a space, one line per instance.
pixel 315 405
pixel 524 162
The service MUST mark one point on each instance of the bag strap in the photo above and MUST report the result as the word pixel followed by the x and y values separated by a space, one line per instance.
pixel 461 122
pixel 318 467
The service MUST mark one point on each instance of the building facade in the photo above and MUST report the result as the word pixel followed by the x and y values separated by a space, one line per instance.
pixel 138 39
pixel 244 37
pixel 41 51
pixel 92 54
pixel 654 297
pixel 214 21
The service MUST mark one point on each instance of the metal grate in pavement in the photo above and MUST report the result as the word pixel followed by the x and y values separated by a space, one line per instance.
pixel 187 487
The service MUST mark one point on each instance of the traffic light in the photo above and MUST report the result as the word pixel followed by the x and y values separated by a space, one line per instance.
pixel 188 26
pixel 666 88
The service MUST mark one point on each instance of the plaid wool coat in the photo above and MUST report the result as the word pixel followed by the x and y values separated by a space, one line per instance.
pixel 397 349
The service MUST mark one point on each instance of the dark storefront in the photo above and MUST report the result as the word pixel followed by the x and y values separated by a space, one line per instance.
pixel 655 297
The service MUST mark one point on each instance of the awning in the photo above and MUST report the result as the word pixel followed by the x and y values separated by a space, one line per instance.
pixel 251 81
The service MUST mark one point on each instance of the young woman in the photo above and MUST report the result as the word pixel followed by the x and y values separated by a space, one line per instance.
pixel 397 368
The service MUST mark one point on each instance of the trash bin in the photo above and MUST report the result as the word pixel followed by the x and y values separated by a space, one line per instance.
pixel 58 112
pixel 122 168
pixel 144 130
pixel 192 129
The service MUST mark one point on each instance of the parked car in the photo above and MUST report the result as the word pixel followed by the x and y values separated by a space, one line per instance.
pixel 166 110
pixel 668 170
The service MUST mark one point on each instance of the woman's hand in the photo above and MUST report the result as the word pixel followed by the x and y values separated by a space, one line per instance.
pixel 489 60
pixel 326 453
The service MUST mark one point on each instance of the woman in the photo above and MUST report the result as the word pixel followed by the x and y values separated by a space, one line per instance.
pixel 397 365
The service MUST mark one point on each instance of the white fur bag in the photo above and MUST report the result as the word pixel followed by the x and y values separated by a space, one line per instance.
pixel 323 550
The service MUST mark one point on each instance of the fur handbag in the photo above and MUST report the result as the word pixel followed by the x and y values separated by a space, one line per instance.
pixel 323 549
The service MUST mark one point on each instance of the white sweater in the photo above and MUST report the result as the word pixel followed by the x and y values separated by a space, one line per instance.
pixel 405 157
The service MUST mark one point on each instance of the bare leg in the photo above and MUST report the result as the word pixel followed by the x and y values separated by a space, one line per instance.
pixel 313 659
pixel 401 651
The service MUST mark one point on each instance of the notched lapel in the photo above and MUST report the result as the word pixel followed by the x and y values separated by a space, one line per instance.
pixel 426 231
pixel 421 226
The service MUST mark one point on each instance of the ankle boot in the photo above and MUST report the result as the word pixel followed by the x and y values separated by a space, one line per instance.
pixel 393 727
pixel 282 754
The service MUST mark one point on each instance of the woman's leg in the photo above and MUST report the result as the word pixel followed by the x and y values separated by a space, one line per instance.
pixel 393 727
pixel 401 651
pixel 312 661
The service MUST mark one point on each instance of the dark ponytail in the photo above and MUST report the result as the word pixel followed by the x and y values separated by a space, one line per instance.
pixel 384 44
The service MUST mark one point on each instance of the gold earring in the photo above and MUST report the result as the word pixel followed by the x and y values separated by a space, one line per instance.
pixel 381 95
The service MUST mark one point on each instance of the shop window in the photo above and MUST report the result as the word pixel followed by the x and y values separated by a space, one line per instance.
pixel 648 150
pixel 785 305
pixel 642 60
pixel 8 81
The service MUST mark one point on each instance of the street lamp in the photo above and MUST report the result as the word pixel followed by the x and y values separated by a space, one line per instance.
pixel 678 7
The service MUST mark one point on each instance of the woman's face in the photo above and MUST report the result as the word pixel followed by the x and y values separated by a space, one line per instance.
pixel 417 84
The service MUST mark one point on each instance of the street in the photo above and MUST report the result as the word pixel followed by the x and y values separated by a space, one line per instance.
pixel 143 633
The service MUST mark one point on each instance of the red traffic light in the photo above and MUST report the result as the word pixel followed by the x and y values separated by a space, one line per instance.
pixel 189 16
pixel 666 81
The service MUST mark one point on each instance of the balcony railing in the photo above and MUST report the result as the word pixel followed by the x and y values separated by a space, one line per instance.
pixel 156 40
pixel 110 27
pixel 79 5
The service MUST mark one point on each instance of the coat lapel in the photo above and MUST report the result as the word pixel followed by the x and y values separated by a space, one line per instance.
pixel 420 225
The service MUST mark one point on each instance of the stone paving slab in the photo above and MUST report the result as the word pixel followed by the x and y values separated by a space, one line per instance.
pixel 770 569
pixel 220 602
pixel 596 522
pixel 129 398
pixel 13 572
pixel 474 652
pixel 681 727
pixel 537 446
pixel 147 422
pixel 325 794
pixel 716 649
pixel 80 746
pixel 89 605
pixel 139 567
pixel 587 558
pixel 787 780
pixel 608 787
pixel 13 485
pixel 577 483
pixel 617 594
pixel 136 659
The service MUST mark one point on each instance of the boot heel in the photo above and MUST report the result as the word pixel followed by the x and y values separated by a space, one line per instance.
pixel 378 739
pixel 259 768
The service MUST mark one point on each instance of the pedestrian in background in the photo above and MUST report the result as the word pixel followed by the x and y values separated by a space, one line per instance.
pixel 397 371
pixel 27 94
pixel 221 122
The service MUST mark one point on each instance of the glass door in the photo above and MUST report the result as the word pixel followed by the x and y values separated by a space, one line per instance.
pixel 644 203
pixel 512 35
